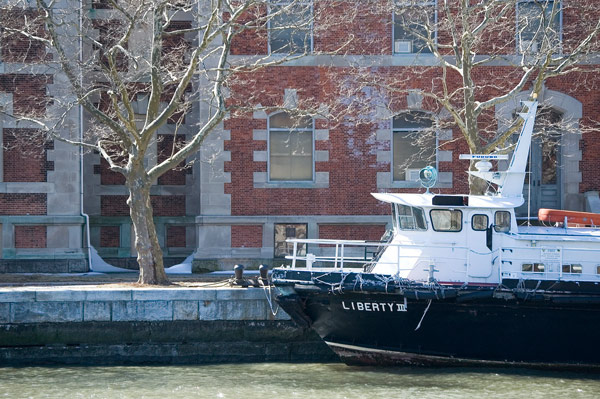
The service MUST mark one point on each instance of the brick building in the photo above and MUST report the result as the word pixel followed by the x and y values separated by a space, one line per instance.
pixel 265 176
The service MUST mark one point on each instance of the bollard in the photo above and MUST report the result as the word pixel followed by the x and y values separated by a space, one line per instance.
pixel 238 271
pixel 264 273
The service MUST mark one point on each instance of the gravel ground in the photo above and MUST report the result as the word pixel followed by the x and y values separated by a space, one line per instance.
pixel 129 279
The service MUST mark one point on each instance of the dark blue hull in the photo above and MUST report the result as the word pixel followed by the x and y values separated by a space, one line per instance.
pixel 368 320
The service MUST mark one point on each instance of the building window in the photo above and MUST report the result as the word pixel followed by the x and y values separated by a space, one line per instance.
pixel 538 26
pixel 288 231
pixel 290 26
pixel 414 27
pixel 446 219
pixel 290 148
pixel 414 145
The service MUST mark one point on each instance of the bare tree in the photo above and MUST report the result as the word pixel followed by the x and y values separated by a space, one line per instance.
pixel 484 53
pixel 134 65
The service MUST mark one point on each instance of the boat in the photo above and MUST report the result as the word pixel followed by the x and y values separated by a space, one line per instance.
pixel 457 281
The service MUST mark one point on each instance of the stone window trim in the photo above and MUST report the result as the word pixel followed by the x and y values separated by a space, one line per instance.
pixel 307 3
pixel 411 52
pixel 518 44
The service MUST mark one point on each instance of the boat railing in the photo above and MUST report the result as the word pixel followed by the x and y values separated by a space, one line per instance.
pixel 355 254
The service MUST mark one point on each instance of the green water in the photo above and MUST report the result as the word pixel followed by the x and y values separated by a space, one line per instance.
pixel 290 381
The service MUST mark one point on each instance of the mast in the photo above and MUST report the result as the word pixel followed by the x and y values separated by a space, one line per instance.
pixel 510 182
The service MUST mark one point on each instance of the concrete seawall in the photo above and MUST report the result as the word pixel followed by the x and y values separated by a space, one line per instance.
pixel 120 325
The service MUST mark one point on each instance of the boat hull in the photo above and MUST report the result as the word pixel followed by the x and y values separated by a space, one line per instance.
pixel 446 325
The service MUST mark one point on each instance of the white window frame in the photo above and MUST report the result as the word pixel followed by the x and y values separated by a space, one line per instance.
pixel 431 3
pixel 412 130
pixel 518 29
pixel 271 129
pixel 311 30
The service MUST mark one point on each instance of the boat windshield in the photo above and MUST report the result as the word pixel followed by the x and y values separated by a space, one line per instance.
pixel 408 217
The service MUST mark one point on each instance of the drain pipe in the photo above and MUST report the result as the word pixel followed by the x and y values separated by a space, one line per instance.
pixel 85 215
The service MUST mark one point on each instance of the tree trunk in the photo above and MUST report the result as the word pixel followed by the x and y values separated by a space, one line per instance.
pixel 149 253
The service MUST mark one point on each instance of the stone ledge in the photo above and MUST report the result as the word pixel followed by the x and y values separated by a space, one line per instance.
pixel 25 305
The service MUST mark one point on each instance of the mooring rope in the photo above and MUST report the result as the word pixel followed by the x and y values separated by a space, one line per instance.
pixel 422 317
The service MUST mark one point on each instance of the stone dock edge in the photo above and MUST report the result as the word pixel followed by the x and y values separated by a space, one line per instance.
pixel 95 325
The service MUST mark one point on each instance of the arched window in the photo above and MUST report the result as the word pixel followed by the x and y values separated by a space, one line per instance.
pixel 414 144
pixel 290 148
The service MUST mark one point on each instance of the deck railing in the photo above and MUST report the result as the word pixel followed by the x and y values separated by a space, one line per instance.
pixel 507 262
pixel 344 254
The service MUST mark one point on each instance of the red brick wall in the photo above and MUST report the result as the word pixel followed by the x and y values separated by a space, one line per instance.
pixel 22 204
pixel 168 205
pixel 109 32
pixel 114 205
pixel 251 41
pixel 107 176
pixel 244 236
pixel 351 232
pixel 165 149
pixel 110 236
pixel 353 147
pixel 162 205
pixel 25 156
pixel 29 92
pixel 352 27
pixel 176 237
pixel 17 47
pixel 30 236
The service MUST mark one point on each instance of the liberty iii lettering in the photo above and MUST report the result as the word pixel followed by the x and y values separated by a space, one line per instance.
pixel 374 306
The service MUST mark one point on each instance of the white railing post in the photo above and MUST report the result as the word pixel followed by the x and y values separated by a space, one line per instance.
pixel 342 258
pixel 295 254
pixel 337 247
pixel 398 260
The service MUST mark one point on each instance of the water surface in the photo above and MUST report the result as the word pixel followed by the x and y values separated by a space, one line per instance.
pixel 290 381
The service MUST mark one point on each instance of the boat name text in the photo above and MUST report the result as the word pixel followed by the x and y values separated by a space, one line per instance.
pixel 374 306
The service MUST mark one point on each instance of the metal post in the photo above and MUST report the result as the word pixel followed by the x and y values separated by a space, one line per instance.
pixel 294 255
pixel 337 247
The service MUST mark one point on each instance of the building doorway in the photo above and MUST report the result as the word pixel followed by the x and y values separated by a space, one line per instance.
pixel 542 188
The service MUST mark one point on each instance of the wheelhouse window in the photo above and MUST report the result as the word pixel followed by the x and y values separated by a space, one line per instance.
pixel 414 26
pixel 409 218
pixel 414 142
pixel 502 221
pixel 479 222
pixel 290 148
pixel 286 231
pixel 290 26
pixel 538 26
pixel 446 219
